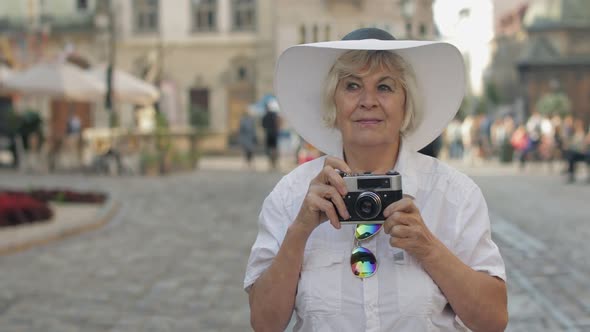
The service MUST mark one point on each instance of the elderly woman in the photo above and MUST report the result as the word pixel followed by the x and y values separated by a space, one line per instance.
pixel 370 102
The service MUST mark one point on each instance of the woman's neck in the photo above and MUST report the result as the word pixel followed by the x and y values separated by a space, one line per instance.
pixel 377 159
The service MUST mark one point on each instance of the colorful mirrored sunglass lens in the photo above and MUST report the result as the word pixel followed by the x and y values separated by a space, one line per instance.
pixel 365 231
pixel 363 262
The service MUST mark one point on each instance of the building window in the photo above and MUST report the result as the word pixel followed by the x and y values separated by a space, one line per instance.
pixel 204 15
pixel 82 5
pixel 327 32
pixel 422 30
pixel 199 107
pixel 242 74
pixel 302 34
pixel 315 33
pixel 244 15
pixel 146 15
pixel 408 29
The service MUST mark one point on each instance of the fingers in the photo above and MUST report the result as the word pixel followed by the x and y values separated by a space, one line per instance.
pixel 402 235
pixel 400 218
pixel 328 209
pixel 324 197
pixel 330 193
pixel 337 163
pixel 401 231
pixel 326 200
pixel 330 176
pixel 405 205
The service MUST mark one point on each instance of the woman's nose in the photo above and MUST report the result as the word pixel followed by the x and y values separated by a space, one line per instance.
pixel 368 98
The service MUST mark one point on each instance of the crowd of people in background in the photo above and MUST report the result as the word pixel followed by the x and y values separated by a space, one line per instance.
pixel 552 140
pixel 540 138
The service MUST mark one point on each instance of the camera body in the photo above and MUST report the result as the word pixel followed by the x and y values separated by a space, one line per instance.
pixel 368 195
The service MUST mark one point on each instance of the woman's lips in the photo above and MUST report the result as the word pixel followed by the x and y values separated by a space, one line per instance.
pixel 368 121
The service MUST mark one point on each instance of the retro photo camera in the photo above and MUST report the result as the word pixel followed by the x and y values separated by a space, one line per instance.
pixel 368 195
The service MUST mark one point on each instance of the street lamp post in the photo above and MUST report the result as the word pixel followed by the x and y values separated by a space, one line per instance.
pixel 106 22
pixel 110 100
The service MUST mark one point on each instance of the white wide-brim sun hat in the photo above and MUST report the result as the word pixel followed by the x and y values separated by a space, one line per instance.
pixel 302 70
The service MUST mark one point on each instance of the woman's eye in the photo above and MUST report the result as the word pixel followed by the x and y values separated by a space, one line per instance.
pixel 385 87
pixel 352 86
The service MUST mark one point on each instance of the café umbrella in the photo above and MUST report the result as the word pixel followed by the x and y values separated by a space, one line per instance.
pixel 128 88
pixel 57 80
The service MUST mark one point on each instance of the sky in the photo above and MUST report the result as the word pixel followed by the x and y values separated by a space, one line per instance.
pixel 446 16
pixel 472 34
pixel 445 12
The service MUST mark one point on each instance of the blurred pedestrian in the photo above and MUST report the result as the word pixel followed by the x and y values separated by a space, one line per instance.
pixel 468 138
pixel 453 138
pixel 520 142
pixel 247 136
pixel 484 125
pixel 577 149
pixel 502 130
pixel 271 125
pixel 547 145
pixel 73 126
pixel 73 140
pixel 534 132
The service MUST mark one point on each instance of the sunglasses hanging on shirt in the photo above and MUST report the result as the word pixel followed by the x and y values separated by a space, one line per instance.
pixel 362 261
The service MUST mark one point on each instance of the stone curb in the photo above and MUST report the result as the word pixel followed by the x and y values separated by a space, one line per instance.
pixel 29 236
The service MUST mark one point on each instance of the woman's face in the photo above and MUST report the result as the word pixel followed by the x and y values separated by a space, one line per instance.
pixel 370 109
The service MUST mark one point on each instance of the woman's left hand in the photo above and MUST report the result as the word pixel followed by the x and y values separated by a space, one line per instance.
pixel 407 230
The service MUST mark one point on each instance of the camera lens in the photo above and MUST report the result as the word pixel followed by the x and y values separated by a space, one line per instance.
pixel 368 205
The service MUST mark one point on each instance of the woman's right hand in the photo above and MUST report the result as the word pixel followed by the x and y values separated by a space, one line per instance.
pixel 324 197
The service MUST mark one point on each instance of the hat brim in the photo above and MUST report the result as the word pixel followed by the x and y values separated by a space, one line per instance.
pixel 302 70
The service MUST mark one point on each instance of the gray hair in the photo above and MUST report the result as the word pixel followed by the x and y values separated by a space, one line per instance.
pixel 351 63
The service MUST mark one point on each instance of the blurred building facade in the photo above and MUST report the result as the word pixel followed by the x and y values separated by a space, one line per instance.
pixel 211 58
pixel 308 21
pixel 507 47
pixel 558 48
pixel 540 42
pixel 34 31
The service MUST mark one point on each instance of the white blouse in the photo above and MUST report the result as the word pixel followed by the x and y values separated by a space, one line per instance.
pixel 401 296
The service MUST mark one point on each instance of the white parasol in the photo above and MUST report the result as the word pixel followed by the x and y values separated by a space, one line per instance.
pixel 128 88
pixel 58 80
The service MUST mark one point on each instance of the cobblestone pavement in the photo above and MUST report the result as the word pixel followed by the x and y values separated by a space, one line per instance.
pixel 173 258
pixel 541 226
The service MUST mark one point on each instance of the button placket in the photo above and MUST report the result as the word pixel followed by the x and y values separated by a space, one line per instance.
pixel 371 292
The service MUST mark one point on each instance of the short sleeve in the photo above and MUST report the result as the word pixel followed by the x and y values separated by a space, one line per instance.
pixel 474 244
pixel 273 222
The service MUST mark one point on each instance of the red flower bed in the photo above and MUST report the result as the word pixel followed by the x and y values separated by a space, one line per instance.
pixel 20 208
pixel 66 195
